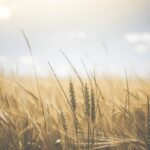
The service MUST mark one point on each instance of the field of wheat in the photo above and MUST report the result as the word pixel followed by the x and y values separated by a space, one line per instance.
pixel 74 74
pixel 97 112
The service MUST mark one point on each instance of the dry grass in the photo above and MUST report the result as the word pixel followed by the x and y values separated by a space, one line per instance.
pixel 90 115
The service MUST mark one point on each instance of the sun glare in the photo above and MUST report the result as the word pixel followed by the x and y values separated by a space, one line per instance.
pixel 5 12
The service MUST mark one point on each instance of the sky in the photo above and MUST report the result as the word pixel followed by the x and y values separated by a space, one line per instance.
pixel 109 36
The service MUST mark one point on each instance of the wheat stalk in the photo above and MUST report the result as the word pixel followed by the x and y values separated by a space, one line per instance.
pixel 72 96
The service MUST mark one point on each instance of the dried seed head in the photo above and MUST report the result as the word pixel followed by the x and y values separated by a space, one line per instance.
pixel 87 101
pixel 72 96
pixel 63 119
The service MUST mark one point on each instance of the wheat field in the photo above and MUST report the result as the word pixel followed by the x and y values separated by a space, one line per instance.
pixel 97 112
pixel 74 74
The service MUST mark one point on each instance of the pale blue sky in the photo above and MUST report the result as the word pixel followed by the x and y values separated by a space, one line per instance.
pixel 79 28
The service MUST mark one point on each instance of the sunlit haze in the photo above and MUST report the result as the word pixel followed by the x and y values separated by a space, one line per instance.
pixel 108 35
pixel 4 12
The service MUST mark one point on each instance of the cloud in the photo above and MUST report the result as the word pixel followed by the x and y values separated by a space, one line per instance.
pixel 6 63
pixel 140 48
pixel 3 59
pixel 138 37
pixel 78 34
pixel 25 61
pixel 139 40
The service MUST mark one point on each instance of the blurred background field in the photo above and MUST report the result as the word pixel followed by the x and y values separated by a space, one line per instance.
pixel 117 118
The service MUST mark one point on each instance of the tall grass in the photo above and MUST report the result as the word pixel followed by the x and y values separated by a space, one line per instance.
pixel 82 113
pixel 79 124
